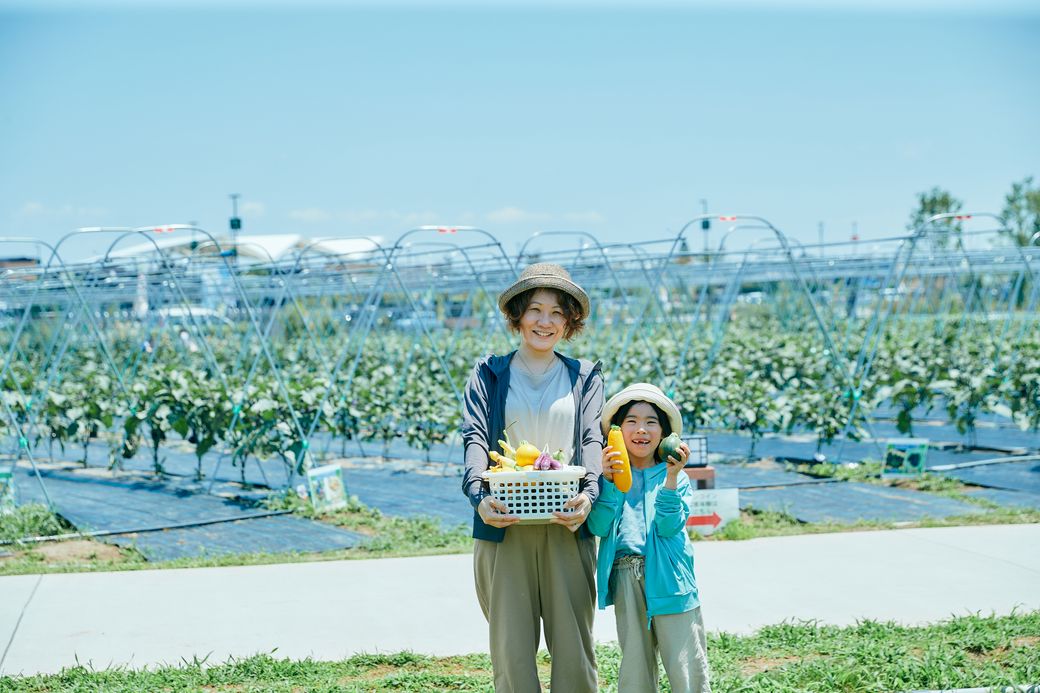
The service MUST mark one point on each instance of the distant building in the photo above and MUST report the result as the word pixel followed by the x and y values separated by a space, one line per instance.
pixel 18 262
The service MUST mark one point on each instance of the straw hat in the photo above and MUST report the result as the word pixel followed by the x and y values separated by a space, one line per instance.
pixel 545 275
pixel 642 392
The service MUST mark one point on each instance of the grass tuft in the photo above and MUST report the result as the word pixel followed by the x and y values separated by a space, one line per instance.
pixel 31 520
pixel 971 651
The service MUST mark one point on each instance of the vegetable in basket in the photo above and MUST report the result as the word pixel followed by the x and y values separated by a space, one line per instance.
pixel 546 461
pixel 526 454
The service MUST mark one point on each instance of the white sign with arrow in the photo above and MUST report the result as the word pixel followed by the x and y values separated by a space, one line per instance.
pixel 712 509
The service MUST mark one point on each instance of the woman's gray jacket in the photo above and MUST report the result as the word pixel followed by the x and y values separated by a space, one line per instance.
pixel 483 420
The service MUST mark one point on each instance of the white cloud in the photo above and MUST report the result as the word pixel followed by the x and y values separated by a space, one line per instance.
pixel 589 217
pixel 254 209
pixel 515 215
pixel 371 216
pixel 33 208
pixel 504 215
pixel 310 215
pixel 419 218
pixel 360 216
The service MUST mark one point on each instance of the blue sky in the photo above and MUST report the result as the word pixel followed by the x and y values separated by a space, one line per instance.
pixel 611 119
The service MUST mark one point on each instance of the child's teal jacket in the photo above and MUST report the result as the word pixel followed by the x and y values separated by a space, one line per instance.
pixel 671 587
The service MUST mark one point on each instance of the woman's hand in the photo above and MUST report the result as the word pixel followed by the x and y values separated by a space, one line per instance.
pixel 611 462
pixel 495 513
pixel 574 512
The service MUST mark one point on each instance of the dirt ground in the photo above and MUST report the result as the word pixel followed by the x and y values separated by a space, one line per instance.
pixel 77 551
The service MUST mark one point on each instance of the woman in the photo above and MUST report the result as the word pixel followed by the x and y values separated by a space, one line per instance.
pixel 532 574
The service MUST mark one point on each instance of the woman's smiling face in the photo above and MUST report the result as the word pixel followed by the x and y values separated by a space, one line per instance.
pixel 642 431
pixel 543 322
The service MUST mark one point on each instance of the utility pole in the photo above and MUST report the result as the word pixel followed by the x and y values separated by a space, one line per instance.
pixel 855 238
pixel 705 227
pixel 819 230
pixel 236 224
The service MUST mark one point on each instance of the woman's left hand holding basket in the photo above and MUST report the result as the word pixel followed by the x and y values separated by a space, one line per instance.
pixel 575 511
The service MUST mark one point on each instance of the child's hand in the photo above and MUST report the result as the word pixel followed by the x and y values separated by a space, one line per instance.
pixel 611 462
pixel 675 466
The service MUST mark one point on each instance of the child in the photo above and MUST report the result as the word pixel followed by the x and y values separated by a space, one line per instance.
pixel 645 564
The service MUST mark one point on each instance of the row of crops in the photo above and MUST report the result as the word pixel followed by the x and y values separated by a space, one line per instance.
pixel 761 377
pixel 294 359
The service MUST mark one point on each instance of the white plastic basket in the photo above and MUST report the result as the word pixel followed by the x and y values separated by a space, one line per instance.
pixel 535 496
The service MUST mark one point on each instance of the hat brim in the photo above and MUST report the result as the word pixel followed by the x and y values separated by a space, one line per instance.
pixel 545 281
pixel 642 392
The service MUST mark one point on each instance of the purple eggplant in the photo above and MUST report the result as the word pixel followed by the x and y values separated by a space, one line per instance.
pixel 544 461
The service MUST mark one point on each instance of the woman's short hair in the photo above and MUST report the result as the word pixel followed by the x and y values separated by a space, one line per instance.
pixel 662 418
pixel 572 312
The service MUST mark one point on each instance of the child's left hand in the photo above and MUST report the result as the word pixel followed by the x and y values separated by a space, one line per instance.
pixel 675 466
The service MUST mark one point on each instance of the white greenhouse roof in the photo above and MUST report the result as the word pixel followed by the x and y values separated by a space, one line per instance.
pixel 251 247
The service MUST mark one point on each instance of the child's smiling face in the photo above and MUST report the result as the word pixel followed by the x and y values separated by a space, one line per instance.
pixel 642 431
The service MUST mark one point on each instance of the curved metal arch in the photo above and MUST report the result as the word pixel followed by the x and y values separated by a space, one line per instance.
pixel 303 251
pixel 399 243
pixel 143 231
pixel 22 438
pixel 465 252
pixel 617 282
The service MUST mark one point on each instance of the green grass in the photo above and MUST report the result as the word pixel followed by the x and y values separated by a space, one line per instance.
pixel 388 537
pixel 754 524
pixel 391 537
pixel 31 520
pixel 969 651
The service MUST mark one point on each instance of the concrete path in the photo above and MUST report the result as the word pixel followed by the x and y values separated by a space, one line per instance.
pixel 332 610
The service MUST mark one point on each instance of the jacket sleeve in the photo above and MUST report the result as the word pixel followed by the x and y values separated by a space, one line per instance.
pixel 672 508
pixel 591 434
pixel 475 413
pixel 605 509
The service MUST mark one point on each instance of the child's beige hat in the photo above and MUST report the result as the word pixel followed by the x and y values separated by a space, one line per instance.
pixel 642 392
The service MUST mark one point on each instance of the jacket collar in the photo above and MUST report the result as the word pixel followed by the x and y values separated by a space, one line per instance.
pixel 657 470
pixel 500 364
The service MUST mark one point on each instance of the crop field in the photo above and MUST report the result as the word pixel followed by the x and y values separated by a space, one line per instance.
pixel 296 361
pixel 767 378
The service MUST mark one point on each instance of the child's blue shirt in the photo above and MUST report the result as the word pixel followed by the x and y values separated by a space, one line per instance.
pixel 632 528
pixel 671 587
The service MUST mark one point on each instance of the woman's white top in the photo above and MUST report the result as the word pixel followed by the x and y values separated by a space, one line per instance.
pixel 542 407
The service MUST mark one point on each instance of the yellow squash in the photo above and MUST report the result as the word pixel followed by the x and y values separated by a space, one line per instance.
pixel 616 440
pixel 501 460
pixel 526 454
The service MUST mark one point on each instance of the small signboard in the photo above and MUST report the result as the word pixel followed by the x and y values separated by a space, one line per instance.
pixel 326 487
pixel 905 456
pixel 7 501
pixel 712 509
pixel 698 445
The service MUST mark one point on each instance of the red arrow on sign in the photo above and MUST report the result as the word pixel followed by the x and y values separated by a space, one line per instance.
pixel 712 520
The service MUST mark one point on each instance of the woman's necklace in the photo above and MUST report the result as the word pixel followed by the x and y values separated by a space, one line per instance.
pixel 530 370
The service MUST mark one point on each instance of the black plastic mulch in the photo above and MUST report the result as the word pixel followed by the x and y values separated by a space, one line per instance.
pixel 1011 499
pixel 94 504
pixel 850 502
pixel 1013 476
pixel 410 494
